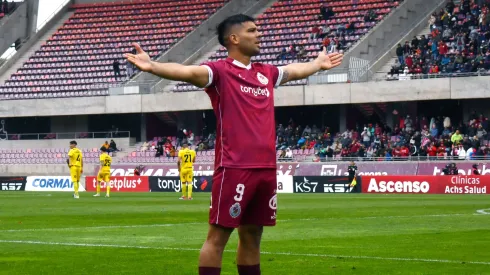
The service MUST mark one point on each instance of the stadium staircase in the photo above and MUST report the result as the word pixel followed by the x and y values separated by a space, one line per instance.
pixel 385 69
pixel 13 27
pixel 365 54
pixel 200 42
pixel 77 59
pixel 27 51
pixel 419 26
pixel 206 56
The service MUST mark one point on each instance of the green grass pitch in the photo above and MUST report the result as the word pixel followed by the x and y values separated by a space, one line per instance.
pixel 155 233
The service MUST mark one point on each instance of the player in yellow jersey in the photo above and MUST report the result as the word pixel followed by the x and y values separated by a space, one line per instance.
pixel 185 164
pixel 104 174
pixel 75 163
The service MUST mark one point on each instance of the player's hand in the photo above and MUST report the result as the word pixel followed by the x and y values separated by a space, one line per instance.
pixel 81 171
pixel 141 59
pixel 328 61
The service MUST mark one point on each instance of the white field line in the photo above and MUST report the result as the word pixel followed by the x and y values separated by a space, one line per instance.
pixel 483 211
pixel 204 223
pixel 264 252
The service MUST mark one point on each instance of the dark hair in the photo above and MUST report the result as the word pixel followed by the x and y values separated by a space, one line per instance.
pixel 73 142
pixel 224 27
pixel 103 149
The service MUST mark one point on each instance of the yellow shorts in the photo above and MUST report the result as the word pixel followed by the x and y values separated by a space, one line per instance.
pixel 75 172
pixel 186 175
pixel 104 176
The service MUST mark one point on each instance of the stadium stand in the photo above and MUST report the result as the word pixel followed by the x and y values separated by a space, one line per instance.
pixel 457 44
pixel 288 26
pixel 44 156
pixel 78 60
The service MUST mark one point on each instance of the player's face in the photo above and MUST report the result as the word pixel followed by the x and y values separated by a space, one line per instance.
pixel 249 39
pixel 72 146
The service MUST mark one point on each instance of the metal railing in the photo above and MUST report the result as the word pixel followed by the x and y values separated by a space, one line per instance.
pixel 346 75
pixel 429 76
pixel 389 159
pixel 68 135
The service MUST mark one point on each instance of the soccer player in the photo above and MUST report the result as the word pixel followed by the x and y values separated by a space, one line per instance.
pixel 104 174
pixel 243 195
pixel 185 163
pixel 352 170
pixel 75 163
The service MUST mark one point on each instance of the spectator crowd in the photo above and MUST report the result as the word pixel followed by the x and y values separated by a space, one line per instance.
pixel 418 138
pixel 459 42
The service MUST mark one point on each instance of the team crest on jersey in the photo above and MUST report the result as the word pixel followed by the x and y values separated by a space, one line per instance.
pixel 262 79
pixel 273 202
pixel 235 210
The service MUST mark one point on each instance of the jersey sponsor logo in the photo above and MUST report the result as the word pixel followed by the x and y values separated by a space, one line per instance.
pixel 262 79
pixel 46 183
pixel 121 184
pixel 255 91
pixel 398 186
pixel 235 210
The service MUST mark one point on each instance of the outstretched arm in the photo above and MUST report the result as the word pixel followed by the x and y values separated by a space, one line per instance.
pixel 324 61
pixel 196 75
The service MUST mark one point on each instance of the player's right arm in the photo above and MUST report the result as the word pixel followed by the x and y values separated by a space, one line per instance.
pixel 196 75
pixel 68 160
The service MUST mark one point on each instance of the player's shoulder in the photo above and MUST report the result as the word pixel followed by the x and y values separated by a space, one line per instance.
pixel 258 66
pixel 215 64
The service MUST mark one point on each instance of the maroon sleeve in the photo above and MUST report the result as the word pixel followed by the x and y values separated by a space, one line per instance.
pixel 275 74
pixel 213 70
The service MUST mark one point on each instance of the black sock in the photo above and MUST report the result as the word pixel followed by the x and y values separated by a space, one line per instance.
pixel 209 270
pixel 248 269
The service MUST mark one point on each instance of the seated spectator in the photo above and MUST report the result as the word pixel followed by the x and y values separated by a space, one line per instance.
pixel 112 146
pixel 159 151
pixel 301 142
pixel 456 137
pixel 145 146
pixel 315 32
pixel 289 154
pixel 481 133
pixel 434 132
pixel 106 145
pixel 301 53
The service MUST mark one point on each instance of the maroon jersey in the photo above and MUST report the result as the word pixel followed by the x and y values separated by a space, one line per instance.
pixel 243 101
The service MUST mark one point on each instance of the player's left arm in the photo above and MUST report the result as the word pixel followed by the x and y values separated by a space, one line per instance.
pixel 81 164
pixel 297 71
pixel 179 160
